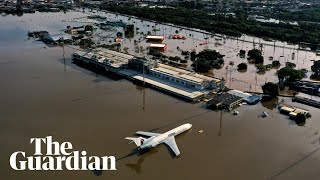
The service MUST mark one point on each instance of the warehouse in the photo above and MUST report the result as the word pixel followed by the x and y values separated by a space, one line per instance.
pixel 155 38
pixel 160 47
pixel 247 97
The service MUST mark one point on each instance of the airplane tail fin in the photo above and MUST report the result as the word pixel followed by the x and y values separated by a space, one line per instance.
pixel 138 141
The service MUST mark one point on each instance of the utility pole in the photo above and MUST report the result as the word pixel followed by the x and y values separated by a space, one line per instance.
pixel 255 89
pixel 220 129
pixel 143 89
pixel 230 76
pixel 144 99
pixel 227 72
pixel 144 58
pixel 63 54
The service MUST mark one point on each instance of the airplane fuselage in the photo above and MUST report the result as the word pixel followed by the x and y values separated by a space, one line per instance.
pixel 156 140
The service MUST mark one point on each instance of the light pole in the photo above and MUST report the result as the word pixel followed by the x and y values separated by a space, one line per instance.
pixel 63 53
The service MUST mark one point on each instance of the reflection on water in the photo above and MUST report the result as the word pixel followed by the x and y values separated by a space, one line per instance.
pixel 270 103
pixel 141 158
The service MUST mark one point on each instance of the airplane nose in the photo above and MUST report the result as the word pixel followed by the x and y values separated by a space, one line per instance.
pixel 190 125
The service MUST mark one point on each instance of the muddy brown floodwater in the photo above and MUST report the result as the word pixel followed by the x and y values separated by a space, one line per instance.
pixel 41 94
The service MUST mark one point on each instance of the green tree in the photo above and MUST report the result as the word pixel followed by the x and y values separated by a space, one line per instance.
pixel 261 68
pixel 193 55
pixel 290 64
pixel 242 14
pixel 207 60
pixel 288 74
pixel 175 58
pixel 316 68
pixel 88 43
pixel 271 89
pixel 300 118
pixel 201 66
pixel 88 28
pixel 276 63
pixel 242 66
pixel 259 60
pixel 256 55
pixel 242 53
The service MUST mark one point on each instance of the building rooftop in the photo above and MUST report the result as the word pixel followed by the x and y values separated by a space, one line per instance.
pixel 158 45
pixel 170 87
pixel 155 37
pixel 184 74
pixel 57 37
pixel 108 57
pixel 225 99
pixel 249 98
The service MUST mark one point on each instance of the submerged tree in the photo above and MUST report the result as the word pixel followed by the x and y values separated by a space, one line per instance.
pixel 88 28
pixel 193 55
pixel 290 64
pixel 288 74
pixel 271 89
pixel 242 66
pixel 261 68
pixel 207 60
pixel 276 63
pixel 316 69
pixel 256 55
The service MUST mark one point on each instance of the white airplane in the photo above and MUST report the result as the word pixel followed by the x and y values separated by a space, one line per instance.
pixel 156 138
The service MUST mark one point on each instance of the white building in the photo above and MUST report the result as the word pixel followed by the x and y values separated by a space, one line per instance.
pixel 185 78
pixel 247 97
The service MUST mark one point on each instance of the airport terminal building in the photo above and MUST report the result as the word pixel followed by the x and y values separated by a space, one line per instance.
pixel 110 60
pixel 180 82
pixel 185 78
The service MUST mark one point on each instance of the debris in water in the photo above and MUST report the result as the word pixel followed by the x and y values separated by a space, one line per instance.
pixel 201 131
pixel 265 114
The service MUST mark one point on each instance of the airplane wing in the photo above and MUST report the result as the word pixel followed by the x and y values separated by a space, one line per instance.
pixel 147 133
pixel 171 142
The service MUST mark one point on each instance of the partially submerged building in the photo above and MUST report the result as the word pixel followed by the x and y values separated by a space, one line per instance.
pixel 54 39
pixel 247 97
pixel 185 78
pixel 160 47
pixel 224 101
pixel 155 38
pixel 179 82
pixel 110 60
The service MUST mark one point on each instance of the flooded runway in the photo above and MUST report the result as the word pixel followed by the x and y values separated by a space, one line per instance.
pixel 42 94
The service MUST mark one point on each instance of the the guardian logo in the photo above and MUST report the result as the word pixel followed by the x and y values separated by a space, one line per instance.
pixel 59 157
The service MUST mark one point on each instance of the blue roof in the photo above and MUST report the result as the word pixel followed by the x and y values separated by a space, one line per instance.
pixel 253 99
